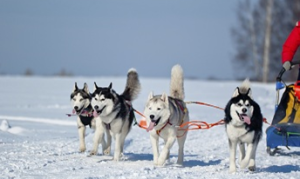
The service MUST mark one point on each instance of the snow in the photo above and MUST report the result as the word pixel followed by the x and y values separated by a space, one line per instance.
pixel 38 139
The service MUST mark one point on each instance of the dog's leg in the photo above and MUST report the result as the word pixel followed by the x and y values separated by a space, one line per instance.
pixel 245 161
pixel 154 142
pixel 81 132
pixel 242 152
pixel 252 158
pixel 181 141
pixel 98 137
pixel 108 145
pixel 118 141
pixel 168 155
pixel 232 146
pixel 164 153
pixel 103 143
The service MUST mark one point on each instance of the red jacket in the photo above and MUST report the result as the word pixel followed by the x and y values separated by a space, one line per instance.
pixel 291 44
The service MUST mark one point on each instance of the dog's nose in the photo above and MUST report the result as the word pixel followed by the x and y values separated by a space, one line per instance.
pixel 96 107
pixel 244 110
pixel 151 116
pixel 76 107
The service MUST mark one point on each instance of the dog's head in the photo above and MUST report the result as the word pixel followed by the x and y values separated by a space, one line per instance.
pixel 80 98
pixel 240 108
pixel 103 100
pixel 157 111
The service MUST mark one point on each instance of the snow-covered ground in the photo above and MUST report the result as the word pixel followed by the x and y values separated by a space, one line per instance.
pixel 42 142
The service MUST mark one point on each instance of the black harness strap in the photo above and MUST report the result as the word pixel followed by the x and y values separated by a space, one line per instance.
pixel 87 117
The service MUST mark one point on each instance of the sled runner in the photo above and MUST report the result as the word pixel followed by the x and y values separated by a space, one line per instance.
pixel 285 127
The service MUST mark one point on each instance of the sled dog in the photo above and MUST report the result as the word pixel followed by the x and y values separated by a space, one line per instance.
pixel 243 122
pixel 163 116
pixel 115 112
pixel 81 102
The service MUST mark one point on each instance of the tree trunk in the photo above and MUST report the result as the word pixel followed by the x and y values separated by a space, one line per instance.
pixel 257 67
pixel 267 40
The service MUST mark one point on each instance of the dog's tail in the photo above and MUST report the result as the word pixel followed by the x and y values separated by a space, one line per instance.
pixel 133 86
pixel 245 86
pixel 176 86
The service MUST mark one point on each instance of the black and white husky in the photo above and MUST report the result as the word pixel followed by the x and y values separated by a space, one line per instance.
pixel 81 102
pixel 163 115
pixel 115 111
pixel 243 121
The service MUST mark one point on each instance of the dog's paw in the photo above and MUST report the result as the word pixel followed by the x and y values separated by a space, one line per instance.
pixel 93 152
pixel 232 170
pixel 82 149
pixel 252 168
pixel 107 151
pixel 160 163
pixel 116 159
pixel 243 164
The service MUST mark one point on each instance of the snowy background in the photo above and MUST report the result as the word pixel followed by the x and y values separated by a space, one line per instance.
pixel 43 142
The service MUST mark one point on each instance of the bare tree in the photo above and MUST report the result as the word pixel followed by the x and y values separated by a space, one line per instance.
pixel 267 41
pixel 262 28
pixel 246 60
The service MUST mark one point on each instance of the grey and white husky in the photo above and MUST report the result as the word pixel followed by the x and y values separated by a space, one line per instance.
pixel 163 115
pixel 115 112
pixel 243 121
pixel 81 102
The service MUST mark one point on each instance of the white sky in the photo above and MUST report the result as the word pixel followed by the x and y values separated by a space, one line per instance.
pixel 105 38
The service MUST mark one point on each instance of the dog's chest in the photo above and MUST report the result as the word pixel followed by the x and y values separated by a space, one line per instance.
pixel 239 134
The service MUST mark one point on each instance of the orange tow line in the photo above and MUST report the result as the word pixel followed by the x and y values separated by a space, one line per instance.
pixel 190 125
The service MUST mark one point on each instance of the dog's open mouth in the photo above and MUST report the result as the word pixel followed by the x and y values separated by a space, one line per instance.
pixel 244 117
pixel 98 112
pixel 152 124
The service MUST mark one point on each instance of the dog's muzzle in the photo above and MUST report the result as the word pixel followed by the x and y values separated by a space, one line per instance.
pixel 154 121
pixel 99 111
pixel 77 110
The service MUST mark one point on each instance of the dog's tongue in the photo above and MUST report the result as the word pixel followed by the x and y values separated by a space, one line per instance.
pixel 247 120
pixel 73 111
pixel 150 127
pixel 95 114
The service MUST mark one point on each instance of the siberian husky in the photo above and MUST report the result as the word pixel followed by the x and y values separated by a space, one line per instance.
pixel 163 115
pixel 115 111
pixel 243 121
pixel 81 102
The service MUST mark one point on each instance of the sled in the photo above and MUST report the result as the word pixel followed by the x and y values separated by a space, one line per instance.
pixel 285 127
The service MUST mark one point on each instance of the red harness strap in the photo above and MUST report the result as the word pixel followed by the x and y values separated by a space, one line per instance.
pixel 182 109
pixel 158 131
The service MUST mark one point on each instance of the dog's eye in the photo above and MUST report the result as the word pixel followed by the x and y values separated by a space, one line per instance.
pixel 239 104
pixel 150 108
pixel 158 109
pixel 74 99
pixel 247 105
pixel 81 100
pixel 102 99
pixel 96 99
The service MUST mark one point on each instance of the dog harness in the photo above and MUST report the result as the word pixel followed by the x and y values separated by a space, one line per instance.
pixel 86 116
pixel 183 109
pixel 108 127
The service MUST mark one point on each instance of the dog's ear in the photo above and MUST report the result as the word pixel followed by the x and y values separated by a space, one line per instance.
pixel 164 98
pixel 249 93
pixel 95 86
pixel 110 85
pixel 236 92
pixel 150 96
pixel 85 88
pixel 75 87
